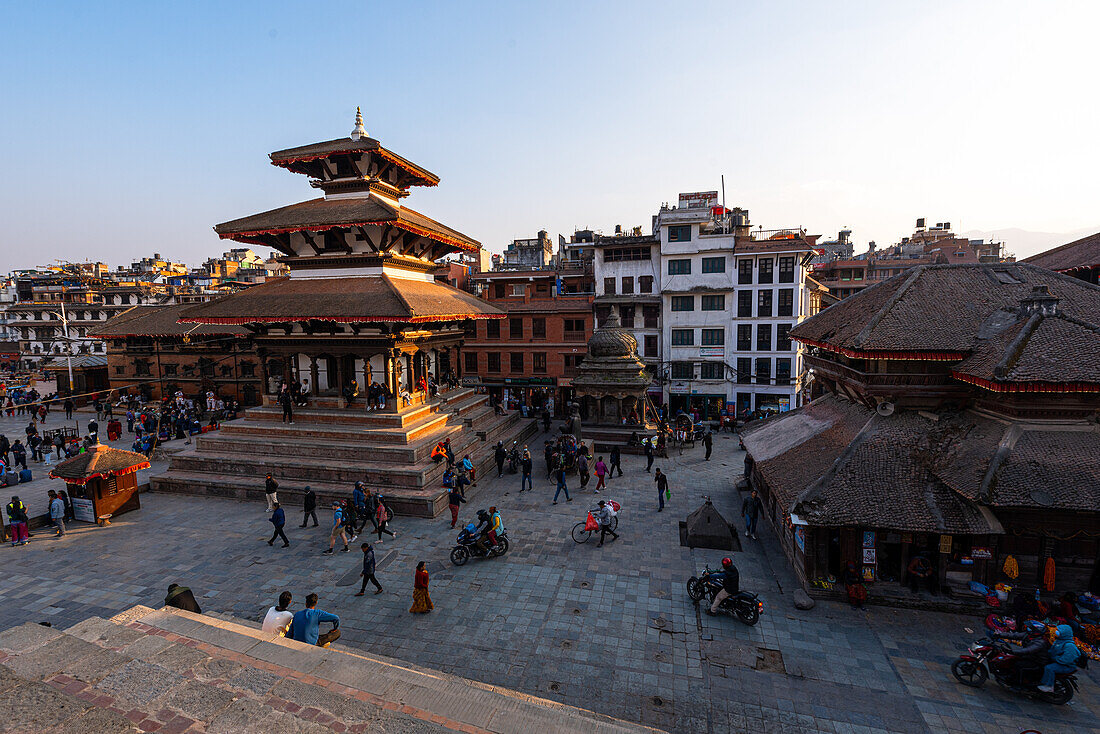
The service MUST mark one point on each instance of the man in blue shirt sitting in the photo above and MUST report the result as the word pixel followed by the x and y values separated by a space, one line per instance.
pixel 307 623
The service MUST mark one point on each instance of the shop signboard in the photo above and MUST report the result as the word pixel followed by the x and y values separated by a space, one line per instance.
pixel 945 544
pixel 698 199
pixel 470 381
pixel 784 404
pixel 83 509
pixel 712 351
pixel 515 381
pixel 981 553
pixel 542 381
pixel 678 388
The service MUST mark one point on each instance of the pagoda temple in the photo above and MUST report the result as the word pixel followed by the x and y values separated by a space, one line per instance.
pixel 361 307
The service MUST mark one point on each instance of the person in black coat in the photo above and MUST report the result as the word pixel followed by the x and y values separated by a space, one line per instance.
pixel 181 597
pixel 616 462
pixel 499 455
pixel 309 507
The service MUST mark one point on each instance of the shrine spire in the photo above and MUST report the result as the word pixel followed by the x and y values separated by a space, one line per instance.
pixel 359 131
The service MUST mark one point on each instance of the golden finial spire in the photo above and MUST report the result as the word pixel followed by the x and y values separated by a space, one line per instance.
pixel 359 131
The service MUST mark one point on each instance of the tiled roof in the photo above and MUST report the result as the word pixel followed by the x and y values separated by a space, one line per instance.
pixel 160 321
pixel 881 481
pixel 320 214
pixel 940 308
pixel 1051 468
pixel 100 461
pixel 1041 349
pixel 314 151
pixel 369 299
pixel 793 450
pixel 1082 253
pixel 79 361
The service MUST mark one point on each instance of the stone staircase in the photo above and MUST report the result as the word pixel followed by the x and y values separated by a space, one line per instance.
pixel 330 448
pixel 171 671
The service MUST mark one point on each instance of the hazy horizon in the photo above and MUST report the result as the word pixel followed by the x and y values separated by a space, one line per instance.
pixel 134 128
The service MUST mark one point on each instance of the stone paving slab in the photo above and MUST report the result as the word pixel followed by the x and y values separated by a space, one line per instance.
pixel 602 628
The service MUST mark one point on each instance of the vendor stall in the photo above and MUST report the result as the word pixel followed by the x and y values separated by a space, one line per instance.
pixel 102 482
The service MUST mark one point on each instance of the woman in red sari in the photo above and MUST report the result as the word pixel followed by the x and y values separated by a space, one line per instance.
pixel 422 603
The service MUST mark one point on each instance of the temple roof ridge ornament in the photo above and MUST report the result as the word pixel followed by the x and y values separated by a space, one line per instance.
pixel 359 131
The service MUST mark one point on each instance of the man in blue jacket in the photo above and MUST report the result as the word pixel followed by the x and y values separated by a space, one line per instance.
pixel 359 500
pixel 306 625
pixel 1063 658
pixel 278 519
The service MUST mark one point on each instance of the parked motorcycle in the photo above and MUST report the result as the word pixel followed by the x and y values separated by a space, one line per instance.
pixel 467 546
pixel 988 657
pixel 513 458
pixel 744 605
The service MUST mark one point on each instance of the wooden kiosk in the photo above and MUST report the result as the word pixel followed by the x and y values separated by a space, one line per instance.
pixel 102 482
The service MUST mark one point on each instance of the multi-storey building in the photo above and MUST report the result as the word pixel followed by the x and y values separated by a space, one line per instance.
pixel 772 297
pixel 531 356
pixel 534 252
pixel 627 275
pixel 730 297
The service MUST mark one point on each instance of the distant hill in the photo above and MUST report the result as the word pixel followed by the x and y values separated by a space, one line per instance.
pixel 1023 243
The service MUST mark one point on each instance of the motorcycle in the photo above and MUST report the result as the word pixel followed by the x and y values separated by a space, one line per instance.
pixel 988 657
pixel 467 547
pixel 744 605
pixel 513 459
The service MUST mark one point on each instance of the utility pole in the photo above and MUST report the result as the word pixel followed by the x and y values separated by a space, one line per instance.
pixel 69 345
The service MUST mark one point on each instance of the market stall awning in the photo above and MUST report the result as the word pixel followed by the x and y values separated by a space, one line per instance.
pixel 99 462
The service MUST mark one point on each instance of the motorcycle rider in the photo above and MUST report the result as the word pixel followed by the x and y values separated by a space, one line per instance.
pixel 496 525
pixel 1063 658
pixel 1032 653
pixel 484 526
pixel 731 584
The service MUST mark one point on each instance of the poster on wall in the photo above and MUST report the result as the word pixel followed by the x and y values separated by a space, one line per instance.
pixel 945 544
pixel 800 537
pixel 868 573
pixel 869 556
pixel 83 509
pixel 868 538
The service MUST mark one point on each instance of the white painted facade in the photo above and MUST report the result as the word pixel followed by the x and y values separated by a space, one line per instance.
pixel 627 274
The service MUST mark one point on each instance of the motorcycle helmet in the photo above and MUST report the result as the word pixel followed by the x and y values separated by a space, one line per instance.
pixel 1035 628
pixel 727 563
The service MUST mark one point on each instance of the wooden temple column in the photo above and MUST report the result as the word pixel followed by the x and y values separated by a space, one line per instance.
pixel 313 381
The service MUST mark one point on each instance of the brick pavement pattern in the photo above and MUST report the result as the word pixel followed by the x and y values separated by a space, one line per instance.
pixel 609 629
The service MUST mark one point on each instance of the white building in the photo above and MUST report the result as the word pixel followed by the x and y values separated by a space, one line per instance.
pixel 627 271
pixel 730 297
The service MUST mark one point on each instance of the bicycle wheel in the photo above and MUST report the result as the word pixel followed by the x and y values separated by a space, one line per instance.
pixel 580 535
pixel 614 523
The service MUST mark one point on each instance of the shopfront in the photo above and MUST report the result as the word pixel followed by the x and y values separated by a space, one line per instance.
pixel 530 395
pixel 701 406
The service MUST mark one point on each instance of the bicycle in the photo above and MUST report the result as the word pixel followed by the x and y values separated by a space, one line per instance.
pixel 581 534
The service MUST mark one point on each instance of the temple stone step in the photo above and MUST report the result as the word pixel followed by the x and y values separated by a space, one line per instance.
pixel 337 685
pixel 302 466
pixel 419 428
pixel 340 450
pixel 359 415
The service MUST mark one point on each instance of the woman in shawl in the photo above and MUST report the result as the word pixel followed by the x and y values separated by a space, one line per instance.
pixel 853 582
pixel 422 603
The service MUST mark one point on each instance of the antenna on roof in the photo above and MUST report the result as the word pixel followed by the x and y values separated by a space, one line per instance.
pixel 359 131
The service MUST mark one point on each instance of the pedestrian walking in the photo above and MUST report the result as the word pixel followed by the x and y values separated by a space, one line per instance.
pixel 337 530
pixel 69 406
pixel 368 570
pixel 57 513
pixel 750 510
pixel 383 515
pixel 18 454
pixel 525 468
pixel 561 486
pixel 17 521
pixel 582 469
pixel 708 443
pixel 663 492
pixel 67 501
pixel 454 500
pixel 359 501
pixel 309 507
pixel 93 431
pixel 603 517
pixel 278 519
pixel 270 488
pixel 422 602
pixel 287 402
pixel 648 454
pixel 499 456
pixel 548 452
pixel 372 510
pixel 616 462
pixel 279 617
pixel 601 475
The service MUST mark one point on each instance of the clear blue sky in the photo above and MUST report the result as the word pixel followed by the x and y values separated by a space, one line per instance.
pixel 131 128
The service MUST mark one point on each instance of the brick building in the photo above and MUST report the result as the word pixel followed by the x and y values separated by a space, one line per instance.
pixel 532 355
pixel 150 354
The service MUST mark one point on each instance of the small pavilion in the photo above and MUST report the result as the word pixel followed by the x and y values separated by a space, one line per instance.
pixel 102 482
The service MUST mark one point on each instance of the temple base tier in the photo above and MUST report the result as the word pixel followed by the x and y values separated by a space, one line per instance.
pixel 329 448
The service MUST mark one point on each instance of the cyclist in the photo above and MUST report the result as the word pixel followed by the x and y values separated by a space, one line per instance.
pixel 731 584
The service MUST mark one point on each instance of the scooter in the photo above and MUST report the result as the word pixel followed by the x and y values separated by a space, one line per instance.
pixel 744 605
pixel 987 658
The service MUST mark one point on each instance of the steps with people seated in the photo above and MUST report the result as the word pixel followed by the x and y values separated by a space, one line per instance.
pixel 172 671
pixel 391 452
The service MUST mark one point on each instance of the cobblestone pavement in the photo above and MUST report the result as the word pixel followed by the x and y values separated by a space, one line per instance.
pixel 609 628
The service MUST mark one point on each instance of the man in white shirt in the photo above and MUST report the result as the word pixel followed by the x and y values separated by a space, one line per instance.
pixel 278 618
